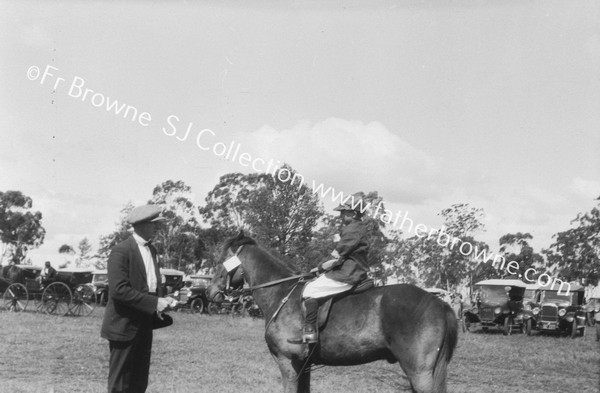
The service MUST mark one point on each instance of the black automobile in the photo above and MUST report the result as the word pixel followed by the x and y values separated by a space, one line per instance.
pixel 192 295
pixel 496 303
pixel 558 311
pixel 100 286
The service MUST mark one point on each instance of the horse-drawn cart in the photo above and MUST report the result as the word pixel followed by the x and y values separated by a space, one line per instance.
pixel 69 292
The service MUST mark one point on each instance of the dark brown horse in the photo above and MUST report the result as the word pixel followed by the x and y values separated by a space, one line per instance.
pixel 397 323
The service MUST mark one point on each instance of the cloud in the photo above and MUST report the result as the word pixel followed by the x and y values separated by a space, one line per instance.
pixel 350 155
pixel 586 189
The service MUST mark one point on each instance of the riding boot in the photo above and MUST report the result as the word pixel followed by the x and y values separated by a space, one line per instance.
pixel 310 333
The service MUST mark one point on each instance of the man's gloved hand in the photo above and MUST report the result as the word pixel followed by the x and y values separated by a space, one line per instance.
pixel 335 254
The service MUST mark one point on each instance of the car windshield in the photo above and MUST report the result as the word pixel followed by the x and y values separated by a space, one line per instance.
pixel 100 277
pixel 493 293
pixel 554 296
pixel 529 295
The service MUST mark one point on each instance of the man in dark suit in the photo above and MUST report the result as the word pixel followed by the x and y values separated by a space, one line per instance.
pixel 48 274
pixel 135 303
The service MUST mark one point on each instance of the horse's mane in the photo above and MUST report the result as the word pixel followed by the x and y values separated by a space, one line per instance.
pixel 241 240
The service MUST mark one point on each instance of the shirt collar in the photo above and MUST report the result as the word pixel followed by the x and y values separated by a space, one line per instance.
pixel 139 240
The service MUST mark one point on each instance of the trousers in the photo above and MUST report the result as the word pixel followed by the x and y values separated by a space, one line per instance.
pixel 129 363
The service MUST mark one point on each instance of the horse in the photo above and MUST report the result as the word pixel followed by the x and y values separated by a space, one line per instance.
pixel 398 323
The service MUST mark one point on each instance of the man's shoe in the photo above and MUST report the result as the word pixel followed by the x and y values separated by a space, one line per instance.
pixel 310 335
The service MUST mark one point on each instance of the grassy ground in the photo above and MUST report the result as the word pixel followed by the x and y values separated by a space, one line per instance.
pixel 44 354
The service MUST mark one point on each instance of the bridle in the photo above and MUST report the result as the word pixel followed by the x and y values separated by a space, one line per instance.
pixel 300 277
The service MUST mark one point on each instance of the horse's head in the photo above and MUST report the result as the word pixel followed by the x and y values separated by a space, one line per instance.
pixel 223 277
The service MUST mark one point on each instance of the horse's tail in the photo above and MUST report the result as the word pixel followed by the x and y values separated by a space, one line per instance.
pixel 446 350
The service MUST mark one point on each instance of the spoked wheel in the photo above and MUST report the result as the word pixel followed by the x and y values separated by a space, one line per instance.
pixel 83 302
pixel 197 306
pixel 15 298
pixel 507 326
pixel 56 299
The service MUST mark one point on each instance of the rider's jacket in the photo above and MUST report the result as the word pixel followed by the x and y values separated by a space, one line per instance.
pixel 351 267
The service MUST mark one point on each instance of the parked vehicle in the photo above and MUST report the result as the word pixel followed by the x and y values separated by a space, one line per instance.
pixel 558 312
pixel 496 303
pixel 69 292
pixel 100 286
pixel 193 294
pixel 171 280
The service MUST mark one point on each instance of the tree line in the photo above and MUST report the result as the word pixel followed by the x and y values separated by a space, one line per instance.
pixel 291 222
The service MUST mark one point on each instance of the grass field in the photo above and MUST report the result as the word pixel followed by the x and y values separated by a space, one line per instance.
pixel 43 354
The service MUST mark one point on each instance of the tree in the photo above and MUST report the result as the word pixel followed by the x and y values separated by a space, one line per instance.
pixel 449 265
pixel 178 241
pixel 67 252
pixel 121 233
pixel 278 210
pixel 282 214
pixel 20 228
pixel 576 251
pixel 226 206
pixel 525 257
pixel 85 252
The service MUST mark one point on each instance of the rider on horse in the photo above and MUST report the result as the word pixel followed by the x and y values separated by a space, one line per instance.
pixel 341 274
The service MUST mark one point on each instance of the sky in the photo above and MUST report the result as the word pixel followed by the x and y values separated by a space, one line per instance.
pixel 430 103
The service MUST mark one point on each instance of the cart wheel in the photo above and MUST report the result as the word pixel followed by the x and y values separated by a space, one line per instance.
pixel 15 298
pixel 528 326
pixel 197 306
pixel 56 299
pixel 507 326
pixel 83 302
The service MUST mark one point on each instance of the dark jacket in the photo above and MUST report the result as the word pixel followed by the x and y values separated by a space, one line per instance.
pixel 351 267
pixel 51 273
pixel 129 307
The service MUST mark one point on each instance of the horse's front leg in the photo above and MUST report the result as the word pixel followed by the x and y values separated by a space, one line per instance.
pixel 294 380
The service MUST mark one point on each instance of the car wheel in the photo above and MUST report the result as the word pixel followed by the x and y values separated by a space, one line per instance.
pixel 574 330
pixel 197 306
pixel 528 325
pixel 507 326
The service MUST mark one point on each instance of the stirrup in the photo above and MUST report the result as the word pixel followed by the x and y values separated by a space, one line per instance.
pixel 310 335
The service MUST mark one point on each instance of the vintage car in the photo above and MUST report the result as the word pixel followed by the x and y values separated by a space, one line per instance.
pixel 100 286
pixel 496 303
pixel 193 294
pixel 171 280
pixel 557 311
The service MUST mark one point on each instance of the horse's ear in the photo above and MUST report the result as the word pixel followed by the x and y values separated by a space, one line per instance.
pixel 241 234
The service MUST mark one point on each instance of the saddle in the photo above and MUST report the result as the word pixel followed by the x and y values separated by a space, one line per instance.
pixel 325 303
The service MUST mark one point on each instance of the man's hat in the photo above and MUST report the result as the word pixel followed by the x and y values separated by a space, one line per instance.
pixel 146 213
